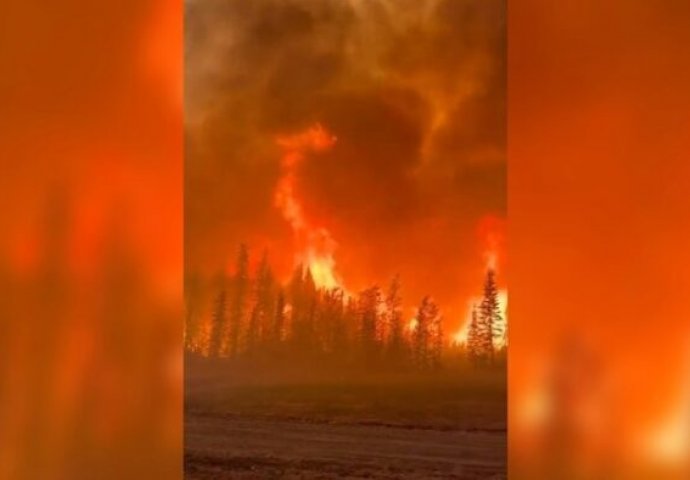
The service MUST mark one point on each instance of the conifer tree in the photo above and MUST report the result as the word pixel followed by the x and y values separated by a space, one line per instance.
pixel 473 349
pixel 297 307
pixel 330 321
pixel 423 336
pixel 252 340
pixel 279 318
pixel 436 339
pixel 265 300
pixel 369 301
pixel 239 299
pixel 339 335
pixel 218 321
pixel 396 335
pixel 489 318
pixel 351 326
pixel 311 303
pixel 193 307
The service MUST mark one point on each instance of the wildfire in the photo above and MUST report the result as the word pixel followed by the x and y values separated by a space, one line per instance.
pixel 491 233
pixel 315 244
pixel 460 337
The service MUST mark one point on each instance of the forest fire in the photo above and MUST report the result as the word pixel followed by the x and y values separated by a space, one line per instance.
pixel 492 238
pixel 461 335
pixel 315 245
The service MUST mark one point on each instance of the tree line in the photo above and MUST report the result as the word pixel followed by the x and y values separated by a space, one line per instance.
pixel 256 317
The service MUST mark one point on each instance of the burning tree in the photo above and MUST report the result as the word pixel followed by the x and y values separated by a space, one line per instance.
pixel 489 323
pixel 303 321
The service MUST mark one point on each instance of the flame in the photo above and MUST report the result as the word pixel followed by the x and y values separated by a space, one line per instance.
pixel 316 245
pixel 491 231
pixel 460 336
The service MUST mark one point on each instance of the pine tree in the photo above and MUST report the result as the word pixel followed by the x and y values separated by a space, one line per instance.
pixel 420 336
pixel 351 326
pixel 339 335
pixel 239 299
pixel 489 318
pixel 311 302
pixel 369 301
pixel 304 308
pixel 265 300
pixel 193 306
pixel 252 340
pixel 424 341
pixel 473 348
pixel 218 321
pixel 297 307
pixel 436 339
pixel 396 334
pixel 330 321
pixel 279 318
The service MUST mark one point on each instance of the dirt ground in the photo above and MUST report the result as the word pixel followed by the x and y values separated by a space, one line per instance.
pixel 452 428
pixel 236 447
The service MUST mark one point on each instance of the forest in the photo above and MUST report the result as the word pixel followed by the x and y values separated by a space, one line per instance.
pixel 252 317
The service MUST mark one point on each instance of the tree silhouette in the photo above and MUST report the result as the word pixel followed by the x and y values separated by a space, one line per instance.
pixel 252 340
pixel 265 300
pixel 489 318
pixel 395 347
pixel 219 320
pixel 427 317
pixel 369 301
pixel 193 312
pixel 299 321
pixel 473 344
pixel 240 288
pixel 279 318
pixel 436 339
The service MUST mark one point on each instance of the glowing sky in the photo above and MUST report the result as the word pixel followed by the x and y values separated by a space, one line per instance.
pixel 416 98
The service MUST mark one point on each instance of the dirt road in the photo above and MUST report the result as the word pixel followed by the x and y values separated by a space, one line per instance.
pixel 228 447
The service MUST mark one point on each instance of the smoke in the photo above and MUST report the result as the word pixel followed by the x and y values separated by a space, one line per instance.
pixel 414 92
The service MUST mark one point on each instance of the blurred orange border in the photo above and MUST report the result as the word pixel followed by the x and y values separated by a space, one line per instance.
pixel 91 244
pixel 598 226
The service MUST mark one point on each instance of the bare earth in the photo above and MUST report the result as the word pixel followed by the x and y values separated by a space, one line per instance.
pixel 224 447
pixel 256 427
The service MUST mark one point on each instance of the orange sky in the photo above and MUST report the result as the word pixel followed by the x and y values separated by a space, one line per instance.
pixel 416 99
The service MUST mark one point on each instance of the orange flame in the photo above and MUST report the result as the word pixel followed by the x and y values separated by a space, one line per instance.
pixel 315 243
pixel 491 231
pixel 460 336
